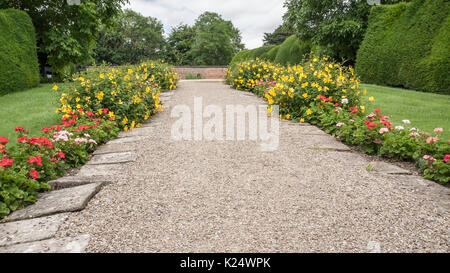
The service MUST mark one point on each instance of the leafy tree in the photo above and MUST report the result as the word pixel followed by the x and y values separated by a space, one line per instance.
pixel 66 34
pixel 277 37
pixel 336 25
pixel 216 40
pixel 135 38
pixel 179 43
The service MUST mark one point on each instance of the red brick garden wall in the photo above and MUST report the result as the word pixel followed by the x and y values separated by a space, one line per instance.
pixel 207 72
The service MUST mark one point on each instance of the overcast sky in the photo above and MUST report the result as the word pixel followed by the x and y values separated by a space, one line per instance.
pixel 251 17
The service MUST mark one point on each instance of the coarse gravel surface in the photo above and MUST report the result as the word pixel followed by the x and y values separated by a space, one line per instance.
pixel 229 196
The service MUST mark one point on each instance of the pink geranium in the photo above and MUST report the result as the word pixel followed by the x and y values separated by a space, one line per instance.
pixel 432 139
pixel 384 130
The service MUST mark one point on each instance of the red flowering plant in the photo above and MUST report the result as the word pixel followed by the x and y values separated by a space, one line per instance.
pixel 80 133
pixel 26 167
pixel 18 185
pixel 37 156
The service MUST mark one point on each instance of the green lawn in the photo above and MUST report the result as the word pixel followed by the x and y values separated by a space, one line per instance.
pixel 426 111
pixel 32 109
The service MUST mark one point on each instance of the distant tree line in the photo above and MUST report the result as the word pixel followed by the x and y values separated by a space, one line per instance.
pixel 100 31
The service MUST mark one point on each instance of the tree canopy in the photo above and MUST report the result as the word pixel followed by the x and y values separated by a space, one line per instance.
pixel 279 35
pixel 135 39
pixel 179 43
pixel 216 40
pixel 66 34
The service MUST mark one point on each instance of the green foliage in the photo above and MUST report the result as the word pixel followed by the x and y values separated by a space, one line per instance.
pixel 179 43
pixel 216 40
pixel 193 76
pixel 334 24
pixel 271 54
pixel 279 35
pixel 292 51
pixel 241 57
pixel 66 34
pixel 135 39
pixel 408 45
pixel 260 51
pixel 19 68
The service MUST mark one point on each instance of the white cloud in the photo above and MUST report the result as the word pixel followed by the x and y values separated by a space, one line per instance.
pixel 251 17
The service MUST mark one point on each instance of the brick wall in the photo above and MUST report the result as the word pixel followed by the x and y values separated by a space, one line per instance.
pixel 207 72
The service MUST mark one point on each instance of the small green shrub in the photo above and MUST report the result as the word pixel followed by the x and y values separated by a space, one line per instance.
pixel 193 76
pixel 19 68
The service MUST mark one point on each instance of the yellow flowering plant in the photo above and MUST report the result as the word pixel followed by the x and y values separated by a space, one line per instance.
pixel 299 90
pixel 129 93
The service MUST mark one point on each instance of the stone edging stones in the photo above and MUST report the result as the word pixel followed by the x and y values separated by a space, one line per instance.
pixel 53 202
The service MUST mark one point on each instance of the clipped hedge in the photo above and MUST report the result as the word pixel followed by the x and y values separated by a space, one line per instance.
pixel 292 51
pixel 408 45
pixel 19 67
pixel 260 51
pixel 271 54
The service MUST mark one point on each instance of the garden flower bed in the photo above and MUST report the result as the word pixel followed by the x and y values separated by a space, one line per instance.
pixel 328 95
pixel 94 108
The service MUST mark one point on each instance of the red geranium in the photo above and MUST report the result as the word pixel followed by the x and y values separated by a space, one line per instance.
pixel 37 160
pixel 19 128
pixel 3 140
pixel 6 162
pixel 371 124
pixel 34 174
pixel 22 139
pixel 61 155
pixel 46 130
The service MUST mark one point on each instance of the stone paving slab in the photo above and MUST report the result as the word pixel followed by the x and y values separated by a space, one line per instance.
pixel 63 245
pixel 66 200
pixel 386 168
pixel 30 230
pixel 126 140
pixel 113 148
pixel 113 158
pixel 100 170
pixel 77 180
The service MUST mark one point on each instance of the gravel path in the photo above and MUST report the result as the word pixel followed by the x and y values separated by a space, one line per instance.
pixel 228 196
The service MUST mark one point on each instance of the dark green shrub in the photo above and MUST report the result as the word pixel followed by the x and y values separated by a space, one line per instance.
pixel 260 51
pixel 408 45
pixel 19 68
pixel 271 54
pixel 241 56
pixel 292 51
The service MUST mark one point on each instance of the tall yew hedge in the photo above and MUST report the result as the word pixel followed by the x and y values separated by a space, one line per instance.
pixel 19 68
pixel 408 45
